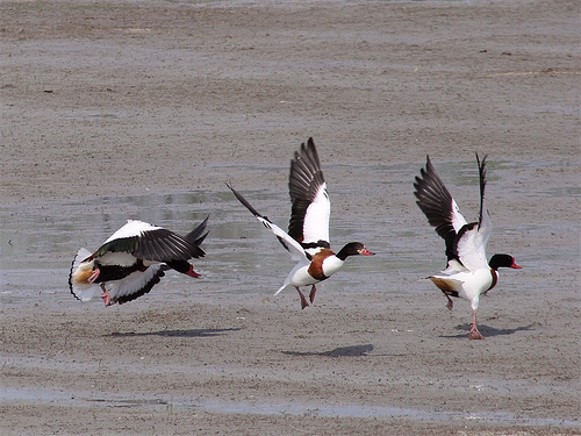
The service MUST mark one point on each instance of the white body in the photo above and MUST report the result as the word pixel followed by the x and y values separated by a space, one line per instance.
pixel 299 276
pixel 468 284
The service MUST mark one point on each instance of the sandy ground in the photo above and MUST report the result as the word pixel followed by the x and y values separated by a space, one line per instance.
pixel 125 100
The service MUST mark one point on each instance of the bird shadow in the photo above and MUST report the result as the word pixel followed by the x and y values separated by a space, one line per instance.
pixel 190 333
pixel 488 331
pixel 349 351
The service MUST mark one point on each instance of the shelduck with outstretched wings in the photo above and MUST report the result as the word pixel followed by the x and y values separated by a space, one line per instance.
pixel 307 239
pixel 133 260
pixel 468 274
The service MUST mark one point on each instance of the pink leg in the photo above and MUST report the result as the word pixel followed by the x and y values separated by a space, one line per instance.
pixel 450 304
pixel 105 296
pixel 192 273
pixel 304 302
pixel 312 294
pixel 94 276
pixel 474 333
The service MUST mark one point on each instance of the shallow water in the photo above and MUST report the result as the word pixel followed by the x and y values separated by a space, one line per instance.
pixel 38 242
pixel 171 404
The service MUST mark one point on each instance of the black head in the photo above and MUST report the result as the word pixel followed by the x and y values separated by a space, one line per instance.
pixel 184 267
pixel 503 260
pixel 354 249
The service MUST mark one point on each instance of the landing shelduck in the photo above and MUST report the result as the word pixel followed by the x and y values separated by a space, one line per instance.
pixel 307 239
pixel 132 261
pixel 468 274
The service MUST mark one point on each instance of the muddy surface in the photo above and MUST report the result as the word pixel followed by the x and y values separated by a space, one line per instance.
pixel 117 110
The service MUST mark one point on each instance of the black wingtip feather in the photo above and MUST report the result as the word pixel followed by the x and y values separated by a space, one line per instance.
pixel 242 200
pixel 198 235
pixel 245 202
pixel 482 179
pixel 305 179
pixel 71 279
pixel 163 245
pixel 435 201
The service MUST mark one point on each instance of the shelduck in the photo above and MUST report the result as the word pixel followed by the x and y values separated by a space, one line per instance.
pixel 133 260
pixel 307 239
pixel 468 275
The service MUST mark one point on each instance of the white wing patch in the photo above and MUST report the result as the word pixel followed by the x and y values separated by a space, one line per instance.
pixel 296 251
pixel 131 229
pixel 82 254
pixel 133 283
pixel 454 267
pixel 87 294
pixel 120 258
pixel 471 250
pixel 458 220
pixel 81 289
pixel 485 228
pixel 316 223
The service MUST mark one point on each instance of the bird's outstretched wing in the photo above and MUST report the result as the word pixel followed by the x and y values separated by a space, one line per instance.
pixel 311 208
pixel 465 242
pixel 136 284
pixel 291 245
pixel 149 242
pixel 471 242
pixel 440 208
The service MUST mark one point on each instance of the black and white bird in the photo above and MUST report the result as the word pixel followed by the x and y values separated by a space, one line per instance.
pixel 468 274
pixel 307 239
pixel 132 260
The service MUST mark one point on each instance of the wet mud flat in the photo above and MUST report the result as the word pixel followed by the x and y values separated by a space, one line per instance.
pixel 249 361
pixel 123 110
pixel 221 354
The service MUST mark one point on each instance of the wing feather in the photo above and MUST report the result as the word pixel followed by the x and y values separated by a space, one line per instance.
pixel 135 284
pixel 473 238
pixel 484 221
pixel 152 243
pixel 469 249
pixel 465 242
pixel 80 289
pixel 291 245
pixel 198 235
pixel 440 208
pixel 311 208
